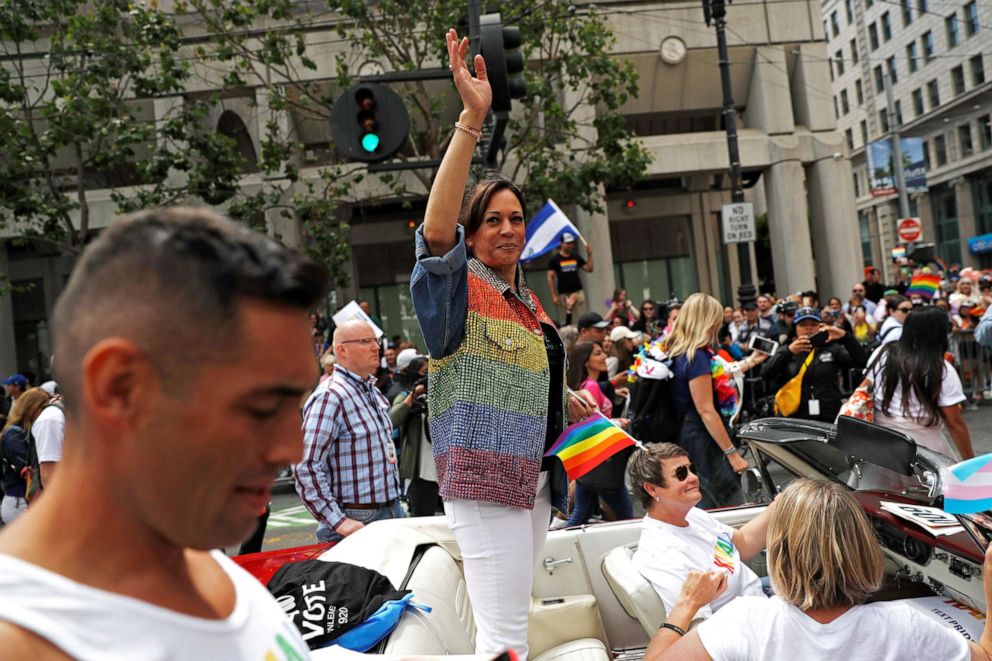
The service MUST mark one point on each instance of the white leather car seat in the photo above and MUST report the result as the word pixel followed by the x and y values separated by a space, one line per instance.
pixel 633 591
pixel 449 628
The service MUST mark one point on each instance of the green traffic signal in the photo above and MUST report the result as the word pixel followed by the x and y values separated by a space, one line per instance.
pixel 370 142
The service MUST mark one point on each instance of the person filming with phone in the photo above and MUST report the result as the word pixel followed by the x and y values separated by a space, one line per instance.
pixel 806 372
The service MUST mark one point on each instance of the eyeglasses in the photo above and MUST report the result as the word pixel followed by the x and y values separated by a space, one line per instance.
pixel 682 472
pixel 906 310
pixel 858 291
pixel 364 341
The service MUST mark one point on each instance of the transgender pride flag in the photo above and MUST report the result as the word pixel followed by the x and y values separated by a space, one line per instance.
pixel 968 486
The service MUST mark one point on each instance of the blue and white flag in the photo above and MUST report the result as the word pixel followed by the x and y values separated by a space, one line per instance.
pixel 545 230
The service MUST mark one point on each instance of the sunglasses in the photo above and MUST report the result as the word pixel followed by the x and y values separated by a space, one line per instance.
pixel 907 310
pixel 682 472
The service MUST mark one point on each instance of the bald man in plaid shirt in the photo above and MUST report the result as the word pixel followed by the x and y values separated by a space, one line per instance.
pixel 348 476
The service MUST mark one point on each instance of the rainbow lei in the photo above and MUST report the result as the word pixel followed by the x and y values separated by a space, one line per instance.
pixel 723 386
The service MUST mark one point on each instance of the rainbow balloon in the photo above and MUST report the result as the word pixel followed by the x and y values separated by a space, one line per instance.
pixel 588 443
pixel 968 486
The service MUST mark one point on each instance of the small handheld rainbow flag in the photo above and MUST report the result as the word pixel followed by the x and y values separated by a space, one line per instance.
pixel 968 486
pixel 588 443
pixel 923 284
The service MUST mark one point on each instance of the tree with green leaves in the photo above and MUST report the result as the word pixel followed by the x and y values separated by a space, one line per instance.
pixel 565 140
pixel 95 96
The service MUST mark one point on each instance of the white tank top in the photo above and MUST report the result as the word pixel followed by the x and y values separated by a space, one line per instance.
pixel 87 623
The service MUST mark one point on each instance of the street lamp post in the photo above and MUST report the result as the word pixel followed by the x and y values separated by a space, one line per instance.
pixel 715 12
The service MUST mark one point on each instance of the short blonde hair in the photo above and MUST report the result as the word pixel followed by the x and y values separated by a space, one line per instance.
pixel 821 549
pixel 701 315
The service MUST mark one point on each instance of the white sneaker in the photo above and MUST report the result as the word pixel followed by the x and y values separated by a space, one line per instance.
pixel 558 524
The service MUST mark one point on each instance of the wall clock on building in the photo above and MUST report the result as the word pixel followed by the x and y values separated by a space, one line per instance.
pixel 672 50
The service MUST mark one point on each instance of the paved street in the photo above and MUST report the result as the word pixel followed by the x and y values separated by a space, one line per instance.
pixel 980 425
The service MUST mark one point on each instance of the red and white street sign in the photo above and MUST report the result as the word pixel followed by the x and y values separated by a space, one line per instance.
pixel 910 230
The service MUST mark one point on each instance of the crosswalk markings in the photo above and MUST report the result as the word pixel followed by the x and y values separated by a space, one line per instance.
pixel 291 517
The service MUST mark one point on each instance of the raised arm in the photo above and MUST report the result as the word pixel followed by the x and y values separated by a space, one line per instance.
pixel 445 199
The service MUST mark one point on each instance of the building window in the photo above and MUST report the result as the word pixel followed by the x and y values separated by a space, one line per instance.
pixel 911 60
pixel 854 51
pixel 886 27
pixel 845 105
pixel 859 92
pixel 857 183
pixel 933 91
pixel 869 3
pixel 879 79
pixel 839 59
pixel 953 30
pixel 897 106
pixel 945 215
pixel 957 80
pixel 891 64
pixel 985 131
pixel 864 226
pixel 830 68
pixel 834 24
pixel 964 140
pixel 917 102
pixel 921 7
pixel 826 30
pixel 977 70
pixel 873 36
pixel 971 18
pixel 849 136
pixel 907 13
pixel 836 112
pixel 864 131
pixel 926 155
pixel 940 150
pixel 883 120
pixel 926 45
pixel 849 11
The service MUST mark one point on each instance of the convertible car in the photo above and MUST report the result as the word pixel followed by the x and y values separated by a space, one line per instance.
pixel 590 603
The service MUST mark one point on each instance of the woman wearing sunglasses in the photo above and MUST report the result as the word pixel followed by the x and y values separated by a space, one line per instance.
pixel 678 537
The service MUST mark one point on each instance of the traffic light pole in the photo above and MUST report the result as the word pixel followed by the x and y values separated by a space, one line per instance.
pixel 717 11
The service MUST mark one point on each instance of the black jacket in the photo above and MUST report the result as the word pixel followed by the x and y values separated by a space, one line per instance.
pixel 822 379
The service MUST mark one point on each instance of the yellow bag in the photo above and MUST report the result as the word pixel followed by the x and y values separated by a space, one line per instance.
pixel 789 396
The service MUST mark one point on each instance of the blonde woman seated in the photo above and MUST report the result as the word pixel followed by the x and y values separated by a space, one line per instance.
pixel 824 562
pixel 679 538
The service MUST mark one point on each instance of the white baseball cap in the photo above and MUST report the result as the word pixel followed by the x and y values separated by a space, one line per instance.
pixel 568 237
pixel 623 333
pixel 405 357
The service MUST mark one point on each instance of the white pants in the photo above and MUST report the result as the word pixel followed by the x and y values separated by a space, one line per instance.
pixel 11 508
pixel 500 547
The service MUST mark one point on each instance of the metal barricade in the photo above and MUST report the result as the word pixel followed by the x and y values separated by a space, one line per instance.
pixel 974 364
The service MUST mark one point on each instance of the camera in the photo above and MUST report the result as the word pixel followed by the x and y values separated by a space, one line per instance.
pixel 419 401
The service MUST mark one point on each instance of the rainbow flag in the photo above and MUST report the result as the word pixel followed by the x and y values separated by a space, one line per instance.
pixel 968 486
pixel 588 443
pixel 923 284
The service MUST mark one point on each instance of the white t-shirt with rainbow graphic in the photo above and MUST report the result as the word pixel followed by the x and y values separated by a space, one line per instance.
pixel 666 554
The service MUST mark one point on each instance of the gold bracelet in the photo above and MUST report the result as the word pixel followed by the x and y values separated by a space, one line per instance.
pixel 475 133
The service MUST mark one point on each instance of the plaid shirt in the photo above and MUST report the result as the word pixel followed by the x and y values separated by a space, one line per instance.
pixel 346 438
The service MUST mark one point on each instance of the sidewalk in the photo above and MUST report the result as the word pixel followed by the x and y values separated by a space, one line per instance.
pixel 980 425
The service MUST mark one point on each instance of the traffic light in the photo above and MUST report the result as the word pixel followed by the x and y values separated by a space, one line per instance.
pixel 504 62
pixel 369 122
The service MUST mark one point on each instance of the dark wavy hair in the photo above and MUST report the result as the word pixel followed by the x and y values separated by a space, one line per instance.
pixel 577 358
pixel 916 362
pixel 477 200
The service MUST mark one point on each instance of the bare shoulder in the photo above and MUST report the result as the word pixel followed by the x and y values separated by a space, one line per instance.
pixel 18 643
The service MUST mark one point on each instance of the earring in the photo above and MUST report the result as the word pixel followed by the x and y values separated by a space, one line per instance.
pixel 657 499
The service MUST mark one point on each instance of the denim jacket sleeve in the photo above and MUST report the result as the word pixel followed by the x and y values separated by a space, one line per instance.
pixel 439 287
pixel 983 334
